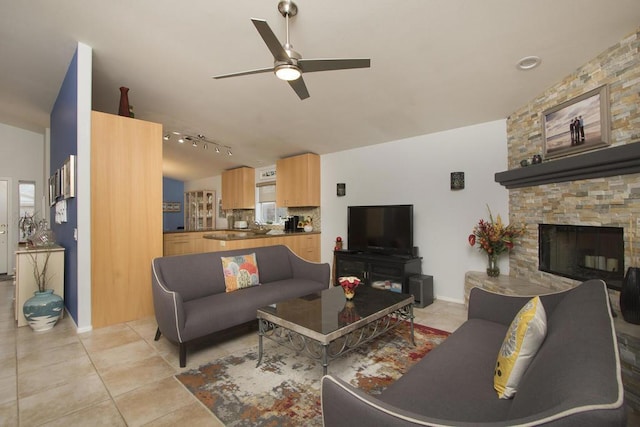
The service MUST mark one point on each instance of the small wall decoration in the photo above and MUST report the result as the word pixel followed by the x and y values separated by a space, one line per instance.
pixel 68 176
pixel 267 174
pixel 457 180
pixel 52 190
pixel 171 207
pixel 341 189
pixel 579 124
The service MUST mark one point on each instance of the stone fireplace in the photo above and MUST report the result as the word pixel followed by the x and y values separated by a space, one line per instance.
pixel 611 199
pixel 589 197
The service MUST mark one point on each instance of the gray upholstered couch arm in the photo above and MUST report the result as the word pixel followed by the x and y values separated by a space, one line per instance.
pixel 494 307
pixel 303 269
pixel 344 405
pixel 168 307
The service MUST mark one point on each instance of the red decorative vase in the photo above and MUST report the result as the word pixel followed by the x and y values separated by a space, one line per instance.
pixel 124 102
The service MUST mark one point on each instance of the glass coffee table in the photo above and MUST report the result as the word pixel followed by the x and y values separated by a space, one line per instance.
pixel 324 325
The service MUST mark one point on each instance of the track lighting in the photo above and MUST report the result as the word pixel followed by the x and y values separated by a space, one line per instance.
pixel 182 137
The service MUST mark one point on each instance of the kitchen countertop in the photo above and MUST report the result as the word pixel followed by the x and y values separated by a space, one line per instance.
pixel 248 234
pixel 192 231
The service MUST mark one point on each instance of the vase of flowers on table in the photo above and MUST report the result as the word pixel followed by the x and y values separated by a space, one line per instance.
pixel 494 238
pixel 349 285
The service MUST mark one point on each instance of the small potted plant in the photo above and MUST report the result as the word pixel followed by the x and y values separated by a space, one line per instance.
pixel 494 238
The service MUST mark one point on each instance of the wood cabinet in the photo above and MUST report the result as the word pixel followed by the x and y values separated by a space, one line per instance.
pixel 25 282
pixel 126 216
pixel 239 188
pixel 200 210
pixel 377 268
pixel 305 245
pixel 187 243
pixel 298 181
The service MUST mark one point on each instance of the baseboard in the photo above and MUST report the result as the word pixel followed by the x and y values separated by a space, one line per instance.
pixel 454 300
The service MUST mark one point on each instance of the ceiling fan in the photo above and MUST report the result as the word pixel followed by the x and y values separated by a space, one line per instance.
pixel 287 63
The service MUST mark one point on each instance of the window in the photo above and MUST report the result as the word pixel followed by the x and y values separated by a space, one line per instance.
pixel 266 210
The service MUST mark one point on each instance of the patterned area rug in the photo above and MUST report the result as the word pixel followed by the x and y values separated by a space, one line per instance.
pixel 285 389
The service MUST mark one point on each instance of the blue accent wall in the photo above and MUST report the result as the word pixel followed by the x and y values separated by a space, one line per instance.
pixel 172 191
pixel 64 137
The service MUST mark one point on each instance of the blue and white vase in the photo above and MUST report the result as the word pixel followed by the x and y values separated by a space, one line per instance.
pixel 43 310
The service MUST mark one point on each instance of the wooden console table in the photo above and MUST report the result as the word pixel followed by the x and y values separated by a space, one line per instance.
pixel 25 282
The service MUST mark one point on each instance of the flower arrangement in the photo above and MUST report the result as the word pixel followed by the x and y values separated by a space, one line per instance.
pixel 493 236
pixel 349 285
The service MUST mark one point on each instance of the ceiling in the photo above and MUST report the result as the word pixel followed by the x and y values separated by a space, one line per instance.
pixel 435 65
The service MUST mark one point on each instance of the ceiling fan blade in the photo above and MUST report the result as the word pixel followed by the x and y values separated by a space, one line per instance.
pixel 270 40
pixel 244 73
pixel 300 88
pixel 311 65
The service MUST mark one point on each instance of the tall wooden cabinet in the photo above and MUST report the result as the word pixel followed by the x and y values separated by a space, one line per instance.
pixel 200 210
pixel 239 188
pixel 298 181
pixel 126 216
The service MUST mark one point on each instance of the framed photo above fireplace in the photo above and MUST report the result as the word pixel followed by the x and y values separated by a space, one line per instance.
pixel 577 125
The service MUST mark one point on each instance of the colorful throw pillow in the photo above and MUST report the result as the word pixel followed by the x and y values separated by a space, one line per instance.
pixel 240 272
pixel 524 337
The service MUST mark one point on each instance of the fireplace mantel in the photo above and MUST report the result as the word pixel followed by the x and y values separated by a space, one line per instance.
pixel 619 160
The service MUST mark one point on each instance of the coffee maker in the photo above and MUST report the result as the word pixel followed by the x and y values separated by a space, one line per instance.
pixel 291 223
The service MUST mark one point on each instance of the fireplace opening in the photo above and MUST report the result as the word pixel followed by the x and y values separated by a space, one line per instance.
pixel 582 252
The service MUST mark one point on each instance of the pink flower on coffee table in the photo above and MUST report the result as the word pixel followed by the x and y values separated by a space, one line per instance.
pixel 349 282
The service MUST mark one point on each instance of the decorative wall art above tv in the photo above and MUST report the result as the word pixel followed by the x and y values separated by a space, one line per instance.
pixel 579 124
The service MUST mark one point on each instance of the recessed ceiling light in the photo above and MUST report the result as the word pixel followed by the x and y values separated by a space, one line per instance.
pixel 529 63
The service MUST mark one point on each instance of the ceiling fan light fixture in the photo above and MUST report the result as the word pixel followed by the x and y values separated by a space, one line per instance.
pixel 288 72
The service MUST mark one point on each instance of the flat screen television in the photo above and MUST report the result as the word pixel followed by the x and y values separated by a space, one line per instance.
pixel 384 229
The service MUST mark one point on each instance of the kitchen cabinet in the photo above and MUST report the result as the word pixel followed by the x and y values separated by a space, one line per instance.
pixel 126 216
pixel 298 181
pixel 305 245
pixel 200 210
pixel 239 188
pixel 187 243
pixel 25 282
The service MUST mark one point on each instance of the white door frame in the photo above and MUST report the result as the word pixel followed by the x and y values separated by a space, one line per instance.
pixel 7 255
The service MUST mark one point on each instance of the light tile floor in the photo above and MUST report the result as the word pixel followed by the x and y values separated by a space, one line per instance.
pixel 118 375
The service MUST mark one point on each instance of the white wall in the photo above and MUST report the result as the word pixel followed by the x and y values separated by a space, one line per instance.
pixel 417 171
pixel 21 159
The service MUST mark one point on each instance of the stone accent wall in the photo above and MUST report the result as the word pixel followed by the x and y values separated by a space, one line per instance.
pixel 612 201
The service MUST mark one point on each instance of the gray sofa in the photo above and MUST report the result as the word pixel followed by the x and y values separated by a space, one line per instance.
pixel 574 379
pixel 189 294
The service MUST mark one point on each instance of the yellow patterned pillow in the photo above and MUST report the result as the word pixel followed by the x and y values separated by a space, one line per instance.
pixel 524 337
pixel 240 272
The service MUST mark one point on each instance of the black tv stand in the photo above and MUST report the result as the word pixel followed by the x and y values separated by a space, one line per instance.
pixel 372 267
